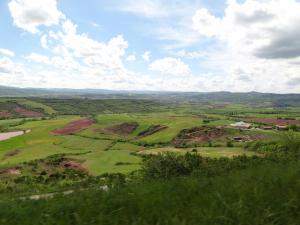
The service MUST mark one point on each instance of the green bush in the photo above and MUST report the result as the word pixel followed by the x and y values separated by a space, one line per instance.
pixel 264 195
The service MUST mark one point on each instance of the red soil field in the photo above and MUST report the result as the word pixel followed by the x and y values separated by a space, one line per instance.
pixel 73 165
pixel 152 130
pixel 28 113
pixel 74 127
pixel 198 135
pixel 5 114
pixel 10 171
pixel 273 121
pixel 120 129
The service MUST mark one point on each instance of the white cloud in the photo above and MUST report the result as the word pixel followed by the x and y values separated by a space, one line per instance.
pixel 7 52
pixel 7 66
pixel 170 20
pixel 266 29
pixel 178 36
pixel 258 44
pixel 170 66
pixel 131 58
pixel 95 24
pixel 38 58
pixel 74 58
pixel 30 14
pixel 206 24
pixel 251 37
pixel 190 54
pixel 146 56
pixel 155 9
pixel 93 53
pixel 44 41
pixel 148 8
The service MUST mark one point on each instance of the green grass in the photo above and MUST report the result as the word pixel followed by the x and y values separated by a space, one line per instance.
pixel 10 122
pixel 39 143
pixel 126 146
pixel 100 162
pixel 83 144
pixel 174 122
pixel 212 152
pixel 34 104
pixel 264 195
pixel 100 152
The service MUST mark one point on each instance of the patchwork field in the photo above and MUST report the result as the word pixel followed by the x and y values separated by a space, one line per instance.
pixel 117 142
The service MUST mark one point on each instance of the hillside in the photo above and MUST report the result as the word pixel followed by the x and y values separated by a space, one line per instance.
pixel 279 100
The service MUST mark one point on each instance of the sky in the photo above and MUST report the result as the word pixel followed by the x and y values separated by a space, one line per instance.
pixel 159 45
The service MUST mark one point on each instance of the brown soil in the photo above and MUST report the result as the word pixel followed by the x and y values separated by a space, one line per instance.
pixel 73 165
pixel 198 135
pixel 5 114
pixel 10 172
pixel 121 129
pixel 151 130
pixel 273 121
pixel 27 113
pixel 74 127
pixel 12 153
pixel 250 137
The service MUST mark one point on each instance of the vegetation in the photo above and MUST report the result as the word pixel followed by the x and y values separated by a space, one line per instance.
pixel 148 162
pixel 196 191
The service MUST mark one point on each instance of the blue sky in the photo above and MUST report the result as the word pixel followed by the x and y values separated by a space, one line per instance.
pixel 191 45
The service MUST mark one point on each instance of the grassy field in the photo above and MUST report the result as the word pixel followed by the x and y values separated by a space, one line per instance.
pixel 9 122
pixel 38 143
pixel 103 152
pixel 213 152
pixel 35 104
pixel 230 176
pixel 113 161
pixel 173 122
pixel 265 195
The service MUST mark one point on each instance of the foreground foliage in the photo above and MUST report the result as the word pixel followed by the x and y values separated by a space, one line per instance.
pixel 263 195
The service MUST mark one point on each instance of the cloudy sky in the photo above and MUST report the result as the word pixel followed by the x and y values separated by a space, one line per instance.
pixel 178 45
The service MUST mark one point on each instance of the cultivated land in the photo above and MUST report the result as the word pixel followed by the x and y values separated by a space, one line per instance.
pixel 114 160
pixel 113 142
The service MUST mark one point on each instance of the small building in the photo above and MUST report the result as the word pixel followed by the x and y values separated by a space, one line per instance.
pixel 241 125
pixel 267 128
pixel 241 138
pixel 282 127
pixel 238 139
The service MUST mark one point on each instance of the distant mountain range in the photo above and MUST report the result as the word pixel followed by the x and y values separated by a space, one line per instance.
pixel 249 97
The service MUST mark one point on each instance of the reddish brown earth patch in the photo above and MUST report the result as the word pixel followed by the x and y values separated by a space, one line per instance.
pixel 250 137
pixel 12 153
pixel 5 114
pixel 74 127
pixel 273 121
pixel 198 135
pixel 10 172
pixel 151 130
pixel 73 165
pixel 27 113
pixel 121 129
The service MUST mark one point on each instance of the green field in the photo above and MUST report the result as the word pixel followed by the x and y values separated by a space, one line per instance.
pixel 104 152
pixel 39 143
pixel 213 152
pixel 35 104
pixel 173 122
